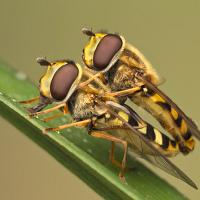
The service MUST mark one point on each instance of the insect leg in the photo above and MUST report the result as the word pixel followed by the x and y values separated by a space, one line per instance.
pixel 64 111
pixel 123 92
pixel 83 84
pixel 48 110
pixel 114 139
pixel 92 90
pixel 99 80
pixel 29 101
pixel 80 123
pixel 52 117
pixel 112 156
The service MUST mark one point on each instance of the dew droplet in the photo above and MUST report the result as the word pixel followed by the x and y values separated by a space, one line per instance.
pixel 89 151
pixel 14 100
pixel 21 75
pixel 58 132
pixel 68 130
pixel 37 117
pixel 85 140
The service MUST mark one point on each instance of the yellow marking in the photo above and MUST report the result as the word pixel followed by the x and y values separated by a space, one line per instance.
pixel 171 148
pixel 183 127
pixel 47 77
pixel 156 98
pixel 123 115
pixel 190 143
pixel 107 115
pixel 91 47
pixel 115 122
pixel 174 113
pixel 158 137
pixel 100 35
pixel 143 130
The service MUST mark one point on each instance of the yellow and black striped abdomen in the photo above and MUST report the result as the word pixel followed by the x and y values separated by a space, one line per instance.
pixel 169 118
pixel 169 147
pixel 162 142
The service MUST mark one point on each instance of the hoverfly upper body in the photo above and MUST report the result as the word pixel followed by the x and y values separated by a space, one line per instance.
pixel 60 85
pixel 126 69
pixel 53 85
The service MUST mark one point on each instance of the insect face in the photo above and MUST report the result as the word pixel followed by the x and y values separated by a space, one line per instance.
pixel 102 50
pixel 60 80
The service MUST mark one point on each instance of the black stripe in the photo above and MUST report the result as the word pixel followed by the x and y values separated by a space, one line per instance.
pixel 173 143
pixel 166 106
pixel 150 134
pixel 165 141
pixel 187 135
pixel 132 121
pixel 134 118
pixel 178 121
pixel 177 138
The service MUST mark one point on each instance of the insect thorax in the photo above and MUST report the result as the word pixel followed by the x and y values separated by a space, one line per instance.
pixel 120 77
pixel 83 105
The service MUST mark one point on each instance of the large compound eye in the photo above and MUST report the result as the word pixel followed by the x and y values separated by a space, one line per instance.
pixel 63 80
pixel 105 51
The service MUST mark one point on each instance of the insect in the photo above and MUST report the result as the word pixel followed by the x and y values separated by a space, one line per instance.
pixel 99 113
pixel 125 69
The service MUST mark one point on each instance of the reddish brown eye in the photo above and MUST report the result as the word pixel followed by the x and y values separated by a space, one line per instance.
pixel 105 51
pixel 63 80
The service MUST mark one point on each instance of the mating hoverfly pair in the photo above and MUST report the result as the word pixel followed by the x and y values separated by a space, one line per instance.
pixel 96 95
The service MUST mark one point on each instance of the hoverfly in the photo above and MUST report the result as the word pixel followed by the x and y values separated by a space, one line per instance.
pixel 98 113
pixel 125 69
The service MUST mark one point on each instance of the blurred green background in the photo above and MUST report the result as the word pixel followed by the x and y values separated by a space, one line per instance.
pixel 167 32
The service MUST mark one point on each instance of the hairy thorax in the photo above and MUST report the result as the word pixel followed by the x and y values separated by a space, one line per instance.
pixel 84 105
pixel 121 77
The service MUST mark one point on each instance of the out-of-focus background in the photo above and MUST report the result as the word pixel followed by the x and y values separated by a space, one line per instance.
pixel 167 32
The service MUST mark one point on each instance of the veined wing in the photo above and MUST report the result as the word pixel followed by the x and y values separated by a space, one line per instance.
pixel 191 125
pixel 142 145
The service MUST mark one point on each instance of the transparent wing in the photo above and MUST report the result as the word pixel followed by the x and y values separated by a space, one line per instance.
pixel 191 125
pixel 149 152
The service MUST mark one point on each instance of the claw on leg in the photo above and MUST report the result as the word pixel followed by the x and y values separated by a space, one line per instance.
pixel 47 110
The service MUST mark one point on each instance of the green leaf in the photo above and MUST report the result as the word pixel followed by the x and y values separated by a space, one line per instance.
pixel 85 156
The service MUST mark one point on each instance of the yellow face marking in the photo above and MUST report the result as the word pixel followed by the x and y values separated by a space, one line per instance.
pixel 158 137
pixel 156 98
pixel 174 113
pixel 46 79
pixel 91 47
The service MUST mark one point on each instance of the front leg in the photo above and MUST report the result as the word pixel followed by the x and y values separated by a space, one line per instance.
pixel 83 123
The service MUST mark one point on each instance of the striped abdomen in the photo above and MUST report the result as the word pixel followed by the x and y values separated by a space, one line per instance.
pixel 168 117
pixel 162 142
